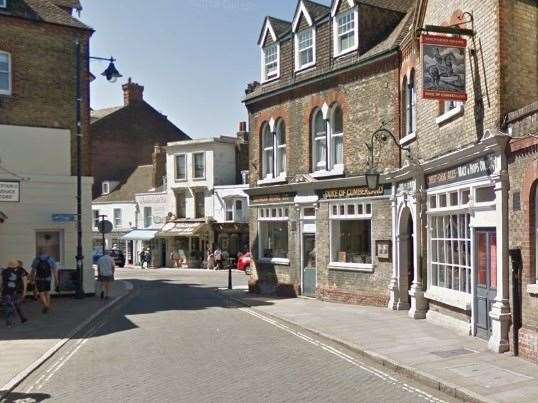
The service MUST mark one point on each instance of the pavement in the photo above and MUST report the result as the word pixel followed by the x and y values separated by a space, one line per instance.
pixel 461 366
pixel 24 347
pixel 175 338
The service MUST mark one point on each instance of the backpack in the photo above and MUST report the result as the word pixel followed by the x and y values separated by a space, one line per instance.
pixel 43 269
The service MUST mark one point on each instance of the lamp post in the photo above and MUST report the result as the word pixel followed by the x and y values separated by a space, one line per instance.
pixel 380 135
pixel 112 75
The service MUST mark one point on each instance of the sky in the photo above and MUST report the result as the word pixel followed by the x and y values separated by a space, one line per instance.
pixel 194 57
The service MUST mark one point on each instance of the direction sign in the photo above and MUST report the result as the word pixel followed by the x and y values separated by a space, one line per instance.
pixel 104 227
pixel 63 218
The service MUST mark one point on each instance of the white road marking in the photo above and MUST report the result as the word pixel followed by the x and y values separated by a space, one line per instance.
pixel 373 371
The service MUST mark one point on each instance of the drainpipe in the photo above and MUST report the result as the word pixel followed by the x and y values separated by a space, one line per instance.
pixel 517 265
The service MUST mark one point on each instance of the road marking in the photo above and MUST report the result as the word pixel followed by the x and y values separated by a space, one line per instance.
pixel 373 371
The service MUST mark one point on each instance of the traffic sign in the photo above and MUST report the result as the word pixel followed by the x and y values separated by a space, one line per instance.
pixel 104 227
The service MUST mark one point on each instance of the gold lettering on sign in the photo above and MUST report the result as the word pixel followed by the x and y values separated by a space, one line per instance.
pixel 352 192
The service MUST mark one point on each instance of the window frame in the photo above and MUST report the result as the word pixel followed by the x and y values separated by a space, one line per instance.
pixel 148 223
pixel 365 215
pixel 106 185
pixel 176 164
pixel 265 78
pixel 199 195
pixel 275 149
pixel 118 219
pixel 298 50
pixel 330 167
pixel 96 218
pixel 336 35
pixel 9 72
pixel 272 214
pixel 449 113
pixel 194 177
pixel 183 197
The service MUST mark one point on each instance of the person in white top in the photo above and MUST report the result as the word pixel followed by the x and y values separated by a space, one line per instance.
pixel 105 274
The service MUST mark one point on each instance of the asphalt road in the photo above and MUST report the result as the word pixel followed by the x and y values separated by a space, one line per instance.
pixel 176 340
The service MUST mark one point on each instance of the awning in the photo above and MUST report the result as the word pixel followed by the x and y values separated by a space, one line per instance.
pixel 140 235
pixel 3 217
pixel 181 229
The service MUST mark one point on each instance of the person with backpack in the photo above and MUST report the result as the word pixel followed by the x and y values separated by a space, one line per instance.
pixel 105 274
pixel 12 281
pixel 43 269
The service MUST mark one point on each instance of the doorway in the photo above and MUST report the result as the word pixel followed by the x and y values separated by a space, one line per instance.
pixel 309 265
pixel 406 256
pixel 486 280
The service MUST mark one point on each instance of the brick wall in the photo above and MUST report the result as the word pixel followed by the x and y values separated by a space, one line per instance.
pixel 43 78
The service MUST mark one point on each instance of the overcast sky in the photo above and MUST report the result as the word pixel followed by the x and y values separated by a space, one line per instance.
pixel 194 57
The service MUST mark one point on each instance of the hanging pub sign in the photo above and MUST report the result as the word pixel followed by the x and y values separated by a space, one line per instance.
pixel 443 68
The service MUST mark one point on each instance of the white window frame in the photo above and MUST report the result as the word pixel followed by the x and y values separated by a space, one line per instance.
pixel 9 74
pixel 336 36
pixel 183 197
pixel 272 214
pixel 176 158
pixel 105 188
pixel 271 130
pixel 148 219
pixel 265 78
pixel 236 213
pixel 448 114
pixel 298 50
pixel 194 166
pixel 330 168
pixel 117 219
pixel 363 210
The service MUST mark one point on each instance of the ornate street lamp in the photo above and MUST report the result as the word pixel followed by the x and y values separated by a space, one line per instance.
pixel 380 135
pixel 112 75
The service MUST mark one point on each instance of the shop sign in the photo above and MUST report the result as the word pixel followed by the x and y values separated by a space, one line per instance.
pixel 443 68
pixel 272 198
pixel 10 191
pixel 474 169
pixel 351 192
pixel 406 187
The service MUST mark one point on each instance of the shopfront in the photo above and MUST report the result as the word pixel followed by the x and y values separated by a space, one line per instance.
pixel 186 242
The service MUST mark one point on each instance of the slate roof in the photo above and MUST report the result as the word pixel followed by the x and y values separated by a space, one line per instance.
pixel 48 11
pixel 280 27
pixel 140 181
pixel 316 10
pixel 68 3
pixel 401 6
pixel 97 114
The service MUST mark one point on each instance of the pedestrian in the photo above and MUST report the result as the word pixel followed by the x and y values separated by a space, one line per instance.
pixel 218 258
pixel 142 257
pixel 30 286
pixel 210 260
pixel 105 274
pixel 12 281
pixel 43 269
pixel 148 257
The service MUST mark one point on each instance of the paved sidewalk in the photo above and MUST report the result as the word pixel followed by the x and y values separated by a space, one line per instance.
pixel 24 345
pixel 460 365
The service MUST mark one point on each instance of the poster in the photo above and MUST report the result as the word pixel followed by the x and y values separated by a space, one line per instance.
pixel 443 68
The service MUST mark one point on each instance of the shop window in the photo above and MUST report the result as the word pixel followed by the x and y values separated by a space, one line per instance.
pixel 450 252
pixel 454 199
pixel 433 201
pixel 465 196
pixel 274 239
pixel 50 243
pixel 199 204
pixel 442 200
pixel 485 194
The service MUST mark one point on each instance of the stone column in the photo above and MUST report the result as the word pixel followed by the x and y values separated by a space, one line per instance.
pixel 500 310
pixel 394 288
pixel 418 302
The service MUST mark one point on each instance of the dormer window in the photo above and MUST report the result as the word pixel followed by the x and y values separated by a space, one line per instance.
pixel 345 32
pixel 305 49
pixel 270 68
pixel 105 188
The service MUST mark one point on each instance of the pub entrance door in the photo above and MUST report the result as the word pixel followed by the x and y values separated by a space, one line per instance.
pixel 486 280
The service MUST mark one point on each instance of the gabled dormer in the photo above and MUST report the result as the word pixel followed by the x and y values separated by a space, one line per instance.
pixel 345 21
pixel 304 29
pixel 269 42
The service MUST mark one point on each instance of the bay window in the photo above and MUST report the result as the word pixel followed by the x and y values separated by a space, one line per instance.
pixel 270 62
pixel 327 138
pixel 305 49
pixel 274 151
pixel 273 233
pixel 234 209
pixel 5 73
pixel 351 234
pixel 345 32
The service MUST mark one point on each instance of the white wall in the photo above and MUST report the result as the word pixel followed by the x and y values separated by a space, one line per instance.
pixel 30 150
pixel 159 209
pixel 128 215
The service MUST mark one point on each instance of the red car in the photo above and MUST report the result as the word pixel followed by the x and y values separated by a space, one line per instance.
pixel 243 262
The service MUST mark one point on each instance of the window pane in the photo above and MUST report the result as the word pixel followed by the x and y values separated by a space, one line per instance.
pixel 352 241
pixel 180 205
pixel 442 200
pixel 338 120
pixel 4 81
pixel 465 194
pixel 281 161
pixel 268 163
pixel 486 194
pixel 493 260
pixel 321 153
pixel 199 165
pixel 433 201
pixel 274 239
pixel 280 133
pixel 454 199
pixel 434 274
pixel 199 204
pixel 482 260
pixel 338 150
pixel 180 167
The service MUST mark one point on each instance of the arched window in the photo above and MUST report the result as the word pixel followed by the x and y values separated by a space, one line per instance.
pixel 280 148
pixel 268 152
pixel 320 142
pixel 410 104
pixel 337 136
pixel 327 141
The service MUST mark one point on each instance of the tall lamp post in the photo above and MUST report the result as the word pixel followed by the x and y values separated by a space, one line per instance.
pixel 380 135
pixel 112 75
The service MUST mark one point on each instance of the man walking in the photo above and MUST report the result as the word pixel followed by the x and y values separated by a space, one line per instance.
pixel 43 269
pixel 12 281
pixel 105 274
pixel 218 258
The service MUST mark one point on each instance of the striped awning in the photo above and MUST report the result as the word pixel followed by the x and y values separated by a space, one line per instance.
pixel 181 229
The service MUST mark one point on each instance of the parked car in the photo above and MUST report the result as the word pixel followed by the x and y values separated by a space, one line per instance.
pixel 116 254
pixel 243 262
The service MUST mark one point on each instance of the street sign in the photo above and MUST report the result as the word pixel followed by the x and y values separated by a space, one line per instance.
pixel 10 191
pixel 63 218
pixel 104 227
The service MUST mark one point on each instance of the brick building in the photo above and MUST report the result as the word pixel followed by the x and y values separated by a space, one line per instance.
pixel 329 80
pixel 453 224
pixel 38 58
pixel 124 137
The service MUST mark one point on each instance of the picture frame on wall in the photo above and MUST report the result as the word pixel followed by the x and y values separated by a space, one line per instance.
pixel 383 249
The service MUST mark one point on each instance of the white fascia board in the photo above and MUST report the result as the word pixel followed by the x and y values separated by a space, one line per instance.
pixel 268 28
pixel 301 10
pixel 337 3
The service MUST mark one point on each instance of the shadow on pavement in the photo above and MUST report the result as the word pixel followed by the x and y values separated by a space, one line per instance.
pixel 15 397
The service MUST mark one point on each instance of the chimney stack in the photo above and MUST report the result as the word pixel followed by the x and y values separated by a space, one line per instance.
pixel 132 92
pixel 241 151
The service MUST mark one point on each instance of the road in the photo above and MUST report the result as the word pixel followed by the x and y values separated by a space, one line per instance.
pixel 175 339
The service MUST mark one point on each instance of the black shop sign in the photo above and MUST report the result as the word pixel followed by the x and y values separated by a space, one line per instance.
pixel 484 166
